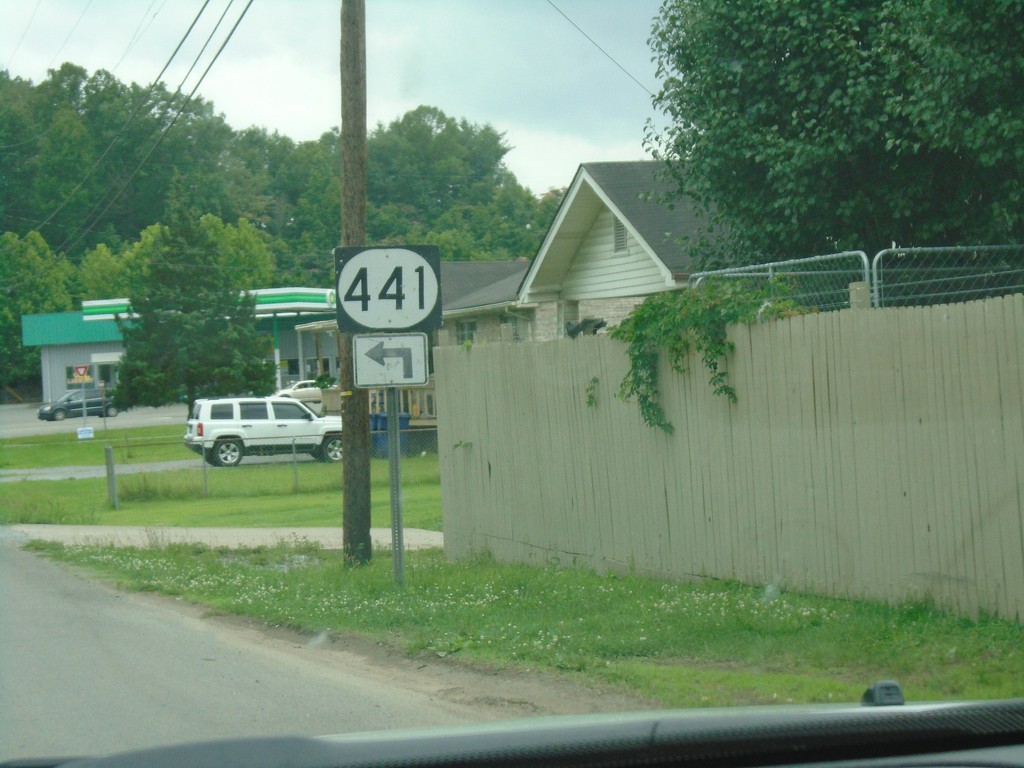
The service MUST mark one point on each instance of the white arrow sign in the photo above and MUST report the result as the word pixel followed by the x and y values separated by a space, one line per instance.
pixel 390 360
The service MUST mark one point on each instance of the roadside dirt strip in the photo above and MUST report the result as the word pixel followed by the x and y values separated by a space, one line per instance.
pixel 155 536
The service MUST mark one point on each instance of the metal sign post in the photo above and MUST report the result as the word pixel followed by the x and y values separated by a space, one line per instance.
pixel 82 377
pixel 382 293
pixel 395 475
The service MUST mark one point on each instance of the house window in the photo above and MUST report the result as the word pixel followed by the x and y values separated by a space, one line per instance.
pixel 515 327
pixel 619 235
pixel 465 331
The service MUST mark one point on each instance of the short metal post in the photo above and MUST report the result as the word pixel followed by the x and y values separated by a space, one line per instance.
pixel 108 453
pixel 295 468
pixel 395 473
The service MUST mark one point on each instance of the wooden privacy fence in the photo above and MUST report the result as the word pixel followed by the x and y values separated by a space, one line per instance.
pixel 872 453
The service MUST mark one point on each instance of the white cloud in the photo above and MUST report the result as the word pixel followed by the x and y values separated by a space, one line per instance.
pixel 519 65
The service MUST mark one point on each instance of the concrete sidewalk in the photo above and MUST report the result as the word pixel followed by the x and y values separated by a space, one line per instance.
pixel 154 536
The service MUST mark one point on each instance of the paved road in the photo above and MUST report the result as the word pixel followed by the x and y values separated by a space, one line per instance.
pixel 85 472
pixel 21 420
pixel 88 669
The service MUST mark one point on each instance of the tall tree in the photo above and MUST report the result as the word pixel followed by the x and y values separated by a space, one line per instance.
pixel 195 333
pixel 33 280
pixel 94 159
pixel 807 127
pixel 427 162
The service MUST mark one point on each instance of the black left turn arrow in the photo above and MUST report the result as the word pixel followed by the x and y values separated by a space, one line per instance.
pixel 378 353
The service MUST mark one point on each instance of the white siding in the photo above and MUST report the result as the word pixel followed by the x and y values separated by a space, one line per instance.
pixel 597 271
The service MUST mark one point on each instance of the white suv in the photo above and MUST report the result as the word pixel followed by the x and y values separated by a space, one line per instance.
pixel 223 430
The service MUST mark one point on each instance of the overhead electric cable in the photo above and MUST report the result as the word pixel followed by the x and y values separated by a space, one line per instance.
pixel 202 50
pixel 139 31
pixel 165 131
pixel 23 33
pixel 67 37
pixel 602 50
pixel 138 108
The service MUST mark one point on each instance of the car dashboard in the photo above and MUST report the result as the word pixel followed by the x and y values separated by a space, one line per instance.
pixel 972 734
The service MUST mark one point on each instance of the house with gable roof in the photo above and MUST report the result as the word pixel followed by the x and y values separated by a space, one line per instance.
pixel 613 242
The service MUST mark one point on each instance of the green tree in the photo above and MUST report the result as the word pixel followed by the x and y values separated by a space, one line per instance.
pixel 102 275
pixel 16 134
pixel 241 252
pixel 195 333
pixel 94 160
pixel 807 127
pixel 434 178
pixel 33 280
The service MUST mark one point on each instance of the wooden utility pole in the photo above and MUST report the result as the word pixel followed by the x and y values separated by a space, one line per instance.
pixel 355 409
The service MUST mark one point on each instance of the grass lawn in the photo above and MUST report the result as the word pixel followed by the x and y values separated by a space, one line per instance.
pixel 686 645
pixel 64 449
pixel 260 495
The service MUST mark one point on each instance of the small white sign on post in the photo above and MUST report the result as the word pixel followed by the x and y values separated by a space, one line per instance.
pixel 390 360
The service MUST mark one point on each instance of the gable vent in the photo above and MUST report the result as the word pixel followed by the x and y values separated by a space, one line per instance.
pixel 619 236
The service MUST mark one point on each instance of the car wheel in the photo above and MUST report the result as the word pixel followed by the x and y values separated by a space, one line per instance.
pixel 227 453
pixel 59 415
pixel 111 411
pixel 330 449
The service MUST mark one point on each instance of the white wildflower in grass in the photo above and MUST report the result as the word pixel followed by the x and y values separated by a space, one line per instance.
pixel 564 618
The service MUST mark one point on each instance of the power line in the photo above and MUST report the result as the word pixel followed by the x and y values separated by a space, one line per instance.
pixel 602 50
pixel 139 31
pixel 78 21
pixel 23 33
pixel 163 133
pixel 138 108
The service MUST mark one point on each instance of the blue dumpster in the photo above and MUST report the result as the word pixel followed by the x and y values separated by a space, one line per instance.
pixel 379 434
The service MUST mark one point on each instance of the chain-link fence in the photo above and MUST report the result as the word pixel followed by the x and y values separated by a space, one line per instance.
pixel 903 277
pixel 149 470
pixel 824 283
pixel 896 277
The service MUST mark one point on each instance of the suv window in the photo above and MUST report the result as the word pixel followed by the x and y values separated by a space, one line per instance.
pixel 252 410
pixel 222 411
pixel 290 411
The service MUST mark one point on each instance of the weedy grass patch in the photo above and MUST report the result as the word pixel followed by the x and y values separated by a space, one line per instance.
pixel 251 495
pixel 712 643
pixel 64 449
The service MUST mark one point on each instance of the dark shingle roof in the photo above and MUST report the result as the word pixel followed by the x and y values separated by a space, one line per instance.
pixel 639 193
pixel 466 284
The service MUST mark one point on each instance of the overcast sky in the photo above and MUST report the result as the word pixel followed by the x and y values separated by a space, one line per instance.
pixel 518 65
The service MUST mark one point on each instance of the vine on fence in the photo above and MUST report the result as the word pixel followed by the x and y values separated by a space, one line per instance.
pixel 693 319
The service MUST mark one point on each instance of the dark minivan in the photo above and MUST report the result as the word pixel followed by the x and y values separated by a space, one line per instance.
pixel 97 403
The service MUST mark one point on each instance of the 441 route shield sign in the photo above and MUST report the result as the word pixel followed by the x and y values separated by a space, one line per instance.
pixel 388 289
